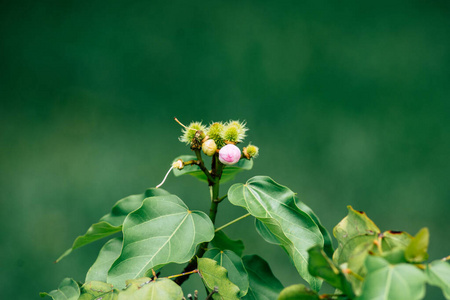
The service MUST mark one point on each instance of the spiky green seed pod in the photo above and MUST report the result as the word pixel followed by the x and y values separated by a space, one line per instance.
pixel 215 132
pixel 209 147
pixel 234 132
pixel 189 133
pixel 251 151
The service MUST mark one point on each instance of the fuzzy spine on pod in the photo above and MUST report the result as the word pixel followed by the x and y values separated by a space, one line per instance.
pixel 251 151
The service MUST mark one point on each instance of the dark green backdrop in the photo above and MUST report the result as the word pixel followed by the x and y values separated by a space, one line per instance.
pixel 348 101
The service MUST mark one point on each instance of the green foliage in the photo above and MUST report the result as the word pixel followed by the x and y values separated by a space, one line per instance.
pixel 161 231
pixel 67 290
pixel 216 277
pixel 438 274
pixel 157 229
pixel 274 205
pixel 233 264
pixel 263 284
pixel 392 282
pixel 298 292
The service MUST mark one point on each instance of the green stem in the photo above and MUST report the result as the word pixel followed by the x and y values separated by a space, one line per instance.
pixel 232 222
pixel 214 182
pixel 221 199
pixel 201 164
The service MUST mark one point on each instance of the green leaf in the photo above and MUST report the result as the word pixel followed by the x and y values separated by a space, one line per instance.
pixel 322 266
pixel 298 292
pixel 392 282
pixel 438 274
pixel 67 290
pixel 161 231
pixel 108 254
pixel 145 288
pixel 234 265
pixel 112 222
pixel 395 239
pixel 263 284
pixel 213 275
pixel 229 172
pixel 96 290
pixel 328 243
pixel 274 205
pixel 223 242
pixel 416 251
pixel 355 224
pixel 266 234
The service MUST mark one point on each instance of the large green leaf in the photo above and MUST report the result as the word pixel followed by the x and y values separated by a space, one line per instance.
pixel 274 205
pixel 263 284
pixel 328 243
pixel 322 266
pixel 234 265
pixel 108 254
pixel 161 231
pixel 96 290
pixel 67 290
pixel 112 222
pixel 392 282
pixel 214 275
pixel 298 292
pixel 438 274
pixel 229 172
pixel 416 251
pixel 223 242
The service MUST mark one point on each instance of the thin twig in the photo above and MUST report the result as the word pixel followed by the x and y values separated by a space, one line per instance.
pixel 232 222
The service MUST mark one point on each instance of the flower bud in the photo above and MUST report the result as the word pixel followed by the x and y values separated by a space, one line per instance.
pixel 178 164
pixel 229 154
pixel 209 147
pixel 250 151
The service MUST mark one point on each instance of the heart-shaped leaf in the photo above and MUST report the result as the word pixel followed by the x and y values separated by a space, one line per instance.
pixel 108 254
pixel 228 173
pixel 223 242
pixel 112 222
pixel 161 231
pixel 322 266
pixel 274 205
pixel 392 282
pixel 214 275
pixel 438 274
pixel 67 290
pixel 263 284
pixel 234 265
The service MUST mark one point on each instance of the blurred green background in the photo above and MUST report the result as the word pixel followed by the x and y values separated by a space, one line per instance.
pixel 348 102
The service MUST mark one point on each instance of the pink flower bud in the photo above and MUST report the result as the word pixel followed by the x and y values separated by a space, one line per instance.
pixel 229 154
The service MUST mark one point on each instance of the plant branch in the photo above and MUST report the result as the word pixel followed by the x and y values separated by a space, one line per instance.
pixel 201 164
pixel 216 173
pixel 232 222
pixel 221 199
pixel 182 274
